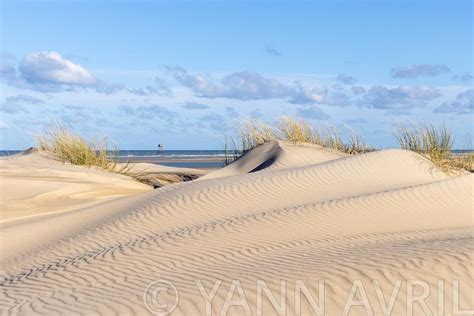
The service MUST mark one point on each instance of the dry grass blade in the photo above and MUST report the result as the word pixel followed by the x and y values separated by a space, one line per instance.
pixel 60 141
pixel 69 147
pixel 356 144
pixel 252 133
pixel 231 152
pixel 434 142
pixel 298 131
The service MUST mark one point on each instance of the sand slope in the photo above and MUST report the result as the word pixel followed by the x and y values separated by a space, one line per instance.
pixel 387 216
pixel 159 175
pixel 276 155
pixel 35 183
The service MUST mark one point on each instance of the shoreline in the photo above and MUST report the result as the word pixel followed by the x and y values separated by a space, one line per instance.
pixel 206 163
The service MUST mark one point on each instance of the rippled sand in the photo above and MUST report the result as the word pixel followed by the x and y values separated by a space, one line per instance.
pixel 283 215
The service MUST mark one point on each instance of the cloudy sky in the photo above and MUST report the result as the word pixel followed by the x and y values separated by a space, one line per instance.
pixel 182 72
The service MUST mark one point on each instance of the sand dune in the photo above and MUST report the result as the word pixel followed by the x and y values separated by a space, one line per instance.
pixel 276 155
pixel 285 212
pixel 35 183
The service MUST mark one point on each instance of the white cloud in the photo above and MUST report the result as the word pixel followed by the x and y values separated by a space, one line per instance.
pixel 304 95
pixel 463 104
pixel 200 84
pixel 48 71
pixel 464 77
pixel 248 85
pixel 160 88
pixel 24 98
pixel 51 68
pixel 244 85
pixel 15 104
pixel 418 70
pixel 380 97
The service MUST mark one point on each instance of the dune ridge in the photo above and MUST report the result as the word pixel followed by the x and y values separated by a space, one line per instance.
pixel 281 212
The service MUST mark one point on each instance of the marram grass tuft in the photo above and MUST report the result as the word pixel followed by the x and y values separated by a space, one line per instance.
pixel 59 140
pixel 435 143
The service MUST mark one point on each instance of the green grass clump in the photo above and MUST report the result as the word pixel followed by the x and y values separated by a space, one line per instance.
pixel 426 139
pixel 435 143
pixel 58 139
pixel 297 131
pixel 254 132
pixel 62 143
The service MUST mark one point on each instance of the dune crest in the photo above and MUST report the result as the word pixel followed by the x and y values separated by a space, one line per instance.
pixel 281 212
pixel 276 155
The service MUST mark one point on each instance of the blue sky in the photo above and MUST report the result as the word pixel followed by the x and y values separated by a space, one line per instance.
pixel 182 72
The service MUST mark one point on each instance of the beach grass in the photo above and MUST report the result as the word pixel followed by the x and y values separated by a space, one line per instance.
pixel 434 142
pixel 252 133
pixel 58 139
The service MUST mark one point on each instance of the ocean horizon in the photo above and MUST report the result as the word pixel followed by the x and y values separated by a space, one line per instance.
pixel 180 153
pixel 200 159
pixel 150 153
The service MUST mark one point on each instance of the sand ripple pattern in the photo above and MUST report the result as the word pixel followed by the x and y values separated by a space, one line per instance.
pixel 382 216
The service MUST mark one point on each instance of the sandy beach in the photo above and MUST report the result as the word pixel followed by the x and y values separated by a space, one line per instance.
pixel 229 158
pixel 289 229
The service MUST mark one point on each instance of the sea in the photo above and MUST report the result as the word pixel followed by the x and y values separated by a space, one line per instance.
pixel 200 159
pixel 172 158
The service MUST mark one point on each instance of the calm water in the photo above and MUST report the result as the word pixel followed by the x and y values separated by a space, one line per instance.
pixel 184 158
pixel 171 153
pixel 153 156
pixel 151 153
